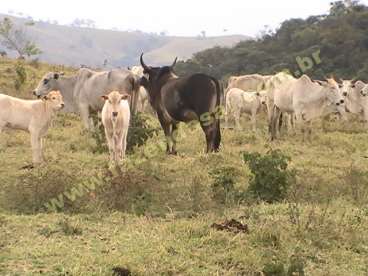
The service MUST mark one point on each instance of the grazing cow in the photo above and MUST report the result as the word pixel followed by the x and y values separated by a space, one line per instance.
pixel 355 100
pixel 307 100
pixel 197 97
pixel 142 97
pixel 239 101
pixel 82 91
pixel 32 116
pixel 115 118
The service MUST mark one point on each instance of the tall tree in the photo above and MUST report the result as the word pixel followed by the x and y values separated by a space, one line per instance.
pixel 15 39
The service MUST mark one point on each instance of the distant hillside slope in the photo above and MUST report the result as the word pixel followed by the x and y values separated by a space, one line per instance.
pixel 74 46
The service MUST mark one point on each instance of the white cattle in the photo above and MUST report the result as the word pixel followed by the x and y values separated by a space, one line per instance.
pixel 307 100
pixel 115 118
pixel 355 99
pixel 32 116
pixel 280 81
pixel 247 83
pixel 239 101
pixel 82 91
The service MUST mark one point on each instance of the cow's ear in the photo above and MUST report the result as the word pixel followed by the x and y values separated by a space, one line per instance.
pixel 125 96
pixel 104 97
pixel 56 76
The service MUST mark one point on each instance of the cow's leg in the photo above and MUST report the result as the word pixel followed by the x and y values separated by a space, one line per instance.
pixel 237 119
pixel 302 125
pixel 36 148
pixel 42 144
pixel 280 122
pixel 110 143
pixel 210 133
pixel 226 115
pixel 269 106
pixel 228 111
pixel 274 122
pixel 118 146
pixel 125 136
pixel 168 135
pixel 84 113
pixel 254 120
pixel 174 137
pixel 365 117
pixel 292 123
pixel 306 131
pixel 2 125
pixel 309 128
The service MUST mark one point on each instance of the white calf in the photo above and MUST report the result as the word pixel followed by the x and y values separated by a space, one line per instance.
pixel 32 116
pixel 115 118
pixel 238 101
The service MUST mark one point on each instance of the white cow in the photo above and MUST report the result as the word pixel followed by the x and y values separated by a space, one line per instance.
pixel 32 116
pixel 239 101
pixel 247 83
pixel 307 100
pixel 82 91
pixel 280 81
pixel 115 118
pixel 355 98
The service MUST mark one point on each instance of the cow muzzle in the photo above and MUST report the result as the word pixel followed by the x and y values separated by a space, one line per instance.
pixel 35 94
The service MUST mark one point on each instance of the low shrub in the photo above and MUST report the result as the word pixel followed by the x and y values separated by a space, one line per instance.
pixel 271 177
pixel 223 186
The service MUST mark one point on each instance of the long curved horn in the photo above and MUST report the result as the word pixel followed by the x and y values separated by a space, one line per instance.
pixel 145 67
pixel 174 63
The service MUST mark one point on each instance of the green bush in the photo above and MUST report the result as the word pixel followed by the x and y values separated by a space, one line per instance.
pixel 223 186
pixel 271 177
pixel 21 76
pixel 98 135
pixel 142 127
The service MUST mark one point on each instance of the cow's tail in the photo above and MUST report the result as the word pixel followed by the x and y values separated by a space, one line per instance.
pixel 218 115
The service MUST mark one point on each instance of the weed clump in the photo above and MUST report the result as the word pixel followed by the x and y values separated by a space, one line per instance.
pixel 142 127
pixel 223 186
pixel 271 177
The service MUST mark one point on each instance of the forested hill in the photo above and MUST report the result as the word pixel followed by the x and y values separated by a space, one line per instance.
pixel 340 39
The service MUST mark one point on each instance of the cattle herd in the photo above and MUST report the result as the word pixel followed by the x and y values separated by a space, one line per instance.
pixel 174 99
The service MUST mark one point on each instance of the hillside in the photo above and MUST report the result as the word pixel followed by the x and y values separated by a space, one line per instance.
pixel 160 215
pixel 75 46
pixel 339 37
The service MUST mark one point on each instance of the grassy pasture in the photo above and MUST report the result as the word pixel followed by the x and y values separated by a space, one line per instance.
pixel 154 217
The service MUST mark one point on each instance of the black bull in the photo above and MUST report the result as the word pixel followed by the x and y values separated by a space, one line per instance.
pixel 197 97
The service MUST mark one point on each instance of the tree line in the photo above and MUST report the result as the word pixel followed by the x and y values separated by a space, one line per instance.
pixel 340 38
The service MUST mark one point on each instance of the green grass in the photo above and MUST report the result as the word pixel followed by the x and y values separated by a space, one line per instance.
pixel 155 217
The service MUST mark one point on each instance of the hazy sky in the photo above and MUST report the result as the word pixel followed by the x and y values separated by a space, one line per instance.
pixel 185 17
